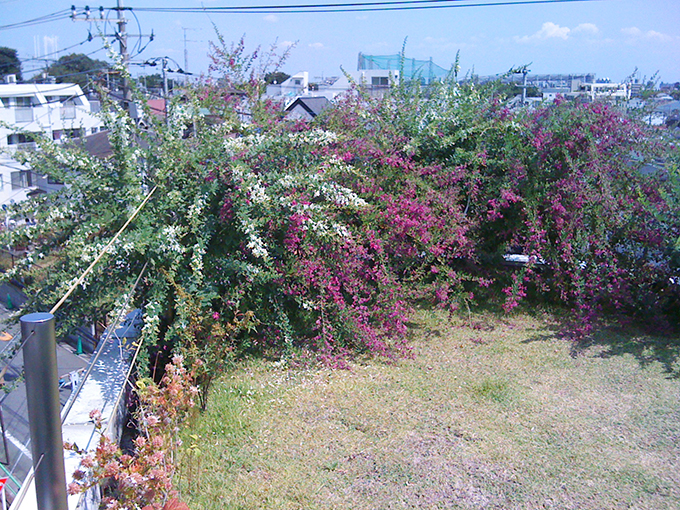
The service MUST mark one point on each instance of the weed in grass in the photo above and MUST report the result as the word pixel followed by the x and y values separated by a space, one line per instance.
pixel 493 389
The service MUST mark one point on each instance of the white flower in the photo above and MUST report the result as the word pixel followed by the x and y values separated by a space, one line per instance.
pixel 258 194
pixel 171 236
pixel 197 261
pixel 257 247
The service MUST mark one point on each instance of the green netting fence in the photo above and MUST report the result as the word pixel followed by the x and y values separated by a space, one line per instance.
pixel 410 68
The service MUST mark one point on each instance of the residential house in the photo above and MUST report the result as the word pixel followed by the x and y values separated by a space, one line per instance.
pixel 306 108
pixel 296 85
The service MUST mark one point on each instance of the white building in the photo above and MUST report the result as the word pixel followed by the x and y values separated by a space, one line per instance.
pixel 374 81
pixel 605 91
pixel 59 110
pixel 296 85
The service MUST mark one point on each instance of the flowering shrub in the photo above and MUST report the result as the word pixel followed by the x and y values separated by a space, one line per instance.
pixel 145 477
pixel 278 234
pixel 586 210
pixel 460 181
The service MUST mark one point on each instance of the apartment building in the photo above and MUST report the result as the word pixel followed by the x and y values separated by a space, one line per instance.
pixel 59 110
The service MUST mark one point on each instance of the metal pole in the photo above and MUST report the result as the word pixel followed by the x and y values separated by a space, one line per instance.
pixel 164 61
pixel 122 39
pixel 42 399
pixel 165 80
pixel 186 53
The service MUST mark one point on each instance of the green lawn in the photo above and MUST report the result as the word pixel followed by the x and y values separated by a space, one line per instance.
pixel 499 413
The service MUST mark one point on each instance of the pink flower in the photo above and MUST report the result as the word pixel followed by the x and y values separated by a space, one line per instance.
pixel 74 488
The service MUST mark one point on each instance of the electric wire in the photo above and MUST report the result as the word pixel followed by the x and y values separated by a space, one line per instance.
pixel 89 71
pixel 406 5
pixel 395 5
pixel 23 61
pixel 55 16
pixel 62 62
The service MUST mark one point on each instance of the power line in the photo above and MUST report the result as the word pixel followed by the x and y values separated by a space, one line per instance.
pixel 55 16
pixel 404 5
pixel 66 62
pixel 37 59
pixel 89 71
pixel 394 5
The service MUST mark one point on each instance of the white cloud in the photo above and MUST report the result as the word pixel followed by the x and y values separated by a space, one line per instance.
pixel 549 30
pixel 362 18
pixel 636 33
pixel 317 45
pixel 653 34
pixel 287 44
pixel 632 31
pixel 587 28
pixel 271 18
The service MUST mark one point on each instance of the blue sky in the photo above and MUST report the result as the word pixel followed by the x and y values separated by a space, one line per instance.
pixel 607 37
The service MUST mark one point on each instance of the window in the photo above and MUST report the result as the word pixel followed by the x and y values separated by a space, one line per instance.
pixel 380 81
pixel 17 138
pixel 73 133
pixel 23 114
pixel 22 179
pixel 25 102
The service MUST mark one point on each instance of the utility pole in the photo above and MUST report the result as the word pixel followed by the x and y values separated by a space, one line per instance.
pixel 186 53
pixel 122 39
pixel 164 63
pixel 524 71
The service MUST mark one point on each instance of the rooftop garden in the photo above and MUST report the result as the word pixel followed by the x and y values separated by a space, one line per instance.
pixel 315 242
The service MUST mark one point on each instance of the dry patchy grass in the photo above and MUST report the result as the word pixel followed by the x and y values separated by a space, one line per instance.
pixel 497 415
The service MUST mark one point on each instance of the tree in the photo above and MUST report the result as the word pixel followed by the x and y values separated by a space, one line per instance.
pixel 510 90
pixel 276 77
pixel 9 63
pixel 79 69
